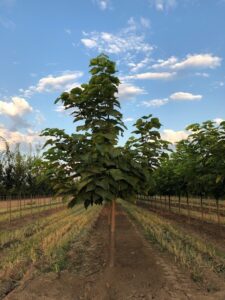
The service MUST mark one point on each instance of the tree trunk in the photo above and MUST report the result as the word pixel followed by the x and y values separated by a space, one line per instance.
pixel 169 203
pixel 109 214
pixel 112 235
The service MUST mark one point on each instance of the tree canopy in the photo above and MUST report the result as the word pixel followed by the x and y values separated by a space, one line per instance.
pixel 90 164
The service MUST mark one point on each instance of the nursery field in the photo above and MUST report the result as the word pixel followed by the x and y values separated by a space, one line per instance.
pixel 65 255
pixel 12 208
pixel 206 210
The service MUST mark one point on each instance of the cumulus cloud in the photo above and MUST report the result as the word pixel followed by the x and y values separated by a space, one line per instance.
pixel 16 110
pixel 182 96
pixel 201 61
pixel 152 75
pixel 129 91
pixel 29 137
pixel 89 43
pixel 17 107
pixel 54 83
pixel 174 136
pixel 155 102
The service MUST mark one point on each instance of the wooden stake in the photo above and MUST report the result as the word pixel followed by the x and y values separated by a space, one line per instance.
pixel 179 203
pixel 112 236
pixel 201 208
pixel 218 212
pixel 188 208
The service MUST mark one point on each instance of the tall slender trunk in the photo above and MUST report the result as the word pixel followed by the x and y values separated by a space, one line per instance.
pixel 112 235
pixel 109 214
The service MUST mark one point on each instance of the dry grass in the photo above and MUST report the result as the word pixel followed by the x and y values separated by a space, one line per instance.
pixel 189 251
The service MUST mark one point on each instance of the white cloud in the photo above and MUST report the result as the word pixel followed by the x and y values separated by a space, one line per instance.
pixel 174 136
pixel 129 44
pixel 89 43
pixel 14 137
pixel 102 4
pixel 129 119
pixel 129 91
pixel 218 120
pixel 16 110
pixel 162 5
pixel 17 107
pixel 155 102
pixel 165 63
pixel 116 43
pixel 201 61
pixel 182 96
pixel 52 83
pixel 60 108
pixel 141 64
pixel 152 75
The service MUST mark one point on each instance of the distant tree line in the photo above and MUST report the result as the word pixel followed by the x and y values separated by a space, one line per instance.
pixel 21 174
pixel 196 166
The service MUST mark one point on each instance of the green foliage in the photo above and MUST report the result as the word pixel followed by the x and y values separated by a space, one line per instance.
pixel 198 164
pixel 90 165
pixel 21 173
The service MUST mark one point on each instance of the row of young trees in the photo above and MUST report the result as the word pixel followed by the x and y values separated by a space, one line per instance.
pixel 91 166
pixel 21 174
pixel 197 166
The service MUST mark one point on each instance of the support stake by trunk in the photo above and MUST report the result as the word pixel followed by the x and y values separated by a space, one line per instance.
pixel 179 203
pixel 218 212
pixel 112 235
pixel 201 207
pixel 188 207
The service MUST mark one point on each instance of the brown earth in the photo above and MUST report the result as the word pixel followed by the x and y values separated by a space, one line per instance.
pixel 140 272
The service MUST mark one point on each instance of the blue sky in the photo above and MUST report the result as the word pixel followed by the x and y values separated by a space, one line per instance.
pixel 169 54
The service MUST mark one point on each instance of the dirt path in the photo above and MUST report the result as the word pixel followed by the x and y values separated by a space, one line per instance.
pixel 141 272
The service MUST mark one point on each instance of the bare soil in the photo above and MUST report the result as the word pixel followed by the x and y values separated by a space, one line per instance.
pixel 141 271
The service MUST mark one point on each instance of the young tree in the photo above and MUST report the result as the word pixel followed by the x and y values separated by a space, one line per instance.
pixel 89 165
